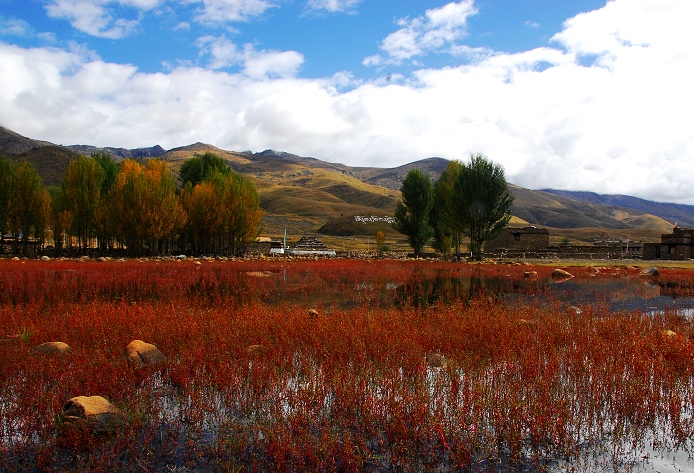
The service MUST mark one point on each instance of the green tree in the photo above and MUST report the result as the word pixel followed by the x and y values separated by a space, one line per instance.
pixel 27 204
pixel 481 201
pixel 412 211
pixel 82 193
pixel 105 218
pixel 447 232
pixel 60 219
pixel 201 168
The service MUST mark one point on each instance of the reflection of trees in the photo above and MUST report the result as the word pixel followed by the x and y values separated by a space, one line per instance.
pixel 422 291
pixel 676 289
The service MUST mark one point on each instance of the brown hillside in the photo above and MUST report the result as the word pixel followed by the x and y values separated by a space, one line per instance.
pixel 50 160
pixel 309 195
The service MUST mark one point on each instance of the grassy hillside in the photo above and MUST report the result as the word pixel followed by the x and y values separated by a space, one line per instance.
pixel 307 195
pixel 681 214
pixel 550 210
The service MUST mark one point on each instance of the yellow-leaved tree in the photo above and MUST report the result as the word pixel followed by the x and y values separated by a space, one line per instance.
pixel 145 208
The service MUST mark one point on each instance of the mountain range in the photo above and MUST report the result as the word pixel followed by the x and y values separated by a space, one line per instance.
pixel 308 195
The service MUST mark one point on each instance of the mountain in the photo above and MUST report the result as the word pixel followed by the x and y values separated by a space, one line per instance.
pixel 118 154
pixel 680 214
pixel 308 195
pixel 50 160
pixel 392 178
pixel 14 143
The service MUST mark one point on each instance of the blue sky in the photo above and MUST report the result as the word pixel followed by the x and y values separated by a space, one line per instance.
pixel 584 94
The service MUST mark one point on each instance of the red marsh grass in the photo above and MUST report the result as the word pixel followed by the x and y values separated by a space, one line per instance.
pixel 524 384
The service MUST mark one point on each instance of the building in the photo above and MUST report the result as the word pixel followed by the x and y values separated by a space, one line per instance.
pixel 515 239
pixel 678 245
pixel 309 246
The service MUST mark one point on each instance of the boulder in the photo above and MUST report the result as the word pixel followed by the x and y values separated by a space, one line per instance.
pixel 45 258
pixel 53 348
pixel 530 275
pixel 99 415
pixel 560 274
pixel 142 354
pixel 652 271
pixel 312 313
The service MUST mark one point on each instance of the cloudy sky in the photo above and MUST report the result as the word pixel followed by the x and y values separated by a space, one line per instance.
pixel 581 95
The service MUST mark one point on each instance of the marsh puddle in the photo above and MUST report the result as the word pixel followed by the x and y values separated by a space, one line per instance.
pixel 624 294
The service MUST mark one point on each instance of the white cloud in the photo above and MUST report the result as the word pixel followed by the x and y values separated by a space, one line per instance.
pixel 223 53
pixel 273 63
pixel 438 30
pixel 14 27
pixel 98 17
pixel 608 116
pixel 332 6
pixel 223 11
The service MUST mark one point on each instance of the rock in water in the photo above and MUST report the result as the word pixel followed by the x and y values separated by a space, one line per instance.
pixel 143 354
pixel 652 271
pixel 99 415
pixel 560 274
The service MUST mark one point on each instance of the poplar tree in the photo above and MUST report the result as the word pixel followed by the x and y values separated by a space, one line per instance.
pixel 412 211
pixel 26 204
pixel 481 201
pixel 82 193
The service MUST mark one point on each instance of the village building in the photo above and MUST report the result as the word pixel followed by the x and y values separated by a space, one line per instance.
pixel 310 246
pixel 519 239
pixel 533 242
pixel 678 245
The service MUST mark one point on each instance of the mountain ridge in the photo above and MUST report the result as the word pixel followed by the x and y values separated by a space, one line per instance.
pixel 677 214
pixel 315 195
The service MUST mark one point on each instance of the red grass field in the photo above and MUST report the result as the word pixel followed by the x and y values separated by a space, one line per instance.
pixel 528 384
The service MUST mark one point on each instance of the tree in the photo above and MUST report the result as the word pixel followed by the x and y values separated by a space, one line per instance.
pixel 242 213
pixel 60 218
pixel 481 201
pixel 224 213
pixel 105 222
pixel 202 204
pixel 145 206
pixel 109 168
pixel 201 168
pixel 82 193
pixel 380 238
pixel 447 231
pixel 412 211
pixel 27 204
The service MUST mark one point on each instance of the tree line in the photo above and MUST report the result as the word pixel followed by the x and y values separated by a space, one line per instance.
pixel 469 199
pixel 139 209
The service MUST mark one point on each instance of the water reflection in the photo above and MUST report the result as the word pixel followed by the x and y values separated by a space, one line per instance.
pixel 624 294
